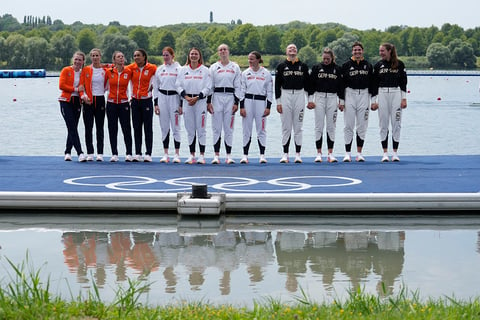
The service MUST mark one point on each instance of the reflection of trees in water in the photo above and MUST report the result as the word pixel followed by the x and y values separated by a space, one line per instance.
pixel 329 254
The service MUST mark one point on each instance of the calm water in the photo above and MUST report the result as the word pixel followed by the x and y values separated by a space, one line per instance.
pixel 236 260
pixel 32 125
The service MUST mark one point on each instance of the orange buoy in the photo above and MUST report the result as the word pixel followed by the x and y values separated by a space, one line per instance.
pixel 14 99
pixel 439 98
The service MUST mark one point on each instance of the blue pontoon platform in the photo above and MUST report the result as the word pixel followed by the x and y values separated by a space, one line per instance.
pixel 416 183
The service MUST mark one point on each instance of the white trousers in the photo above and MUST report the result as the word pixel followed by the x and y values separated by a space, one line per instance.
pixel 254 110
pixel 169 117
pixel 355 114
pixel 389 112
pixel 325 111
pixel 222 118
pixel 293 106
pixel 195 118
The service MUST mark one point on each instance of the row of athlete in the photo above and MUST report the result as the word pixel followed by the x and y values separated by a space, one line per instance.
pixel 222 90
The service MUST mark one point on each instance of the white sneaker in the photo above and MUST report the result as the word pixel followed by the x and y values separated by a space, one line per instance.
pixel 318 158
pixel 89 157
pixel 331 158
pixel 114 158
pixel 129 158
pixel 82 158
pixel 262 159
pixel 201 159
pixel 298 159
pixel 176 158
pixel 347 158
pixel 395 158
pixel 147 158
pixel 385 158
pixel 68 157
pixel 165 159
pixel 190 160
pixel 215 160
pixel 360 158
pixel 137 158
pixel 229 160
pixel 284 158
pixel 99 157
pixel 244 159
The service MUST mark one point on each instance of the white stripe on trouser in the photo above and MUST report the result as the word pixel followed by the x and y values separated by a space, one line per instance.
pixel 389 110
pixel 356 111
pixel 293 106
pixel 254 110
pixel 169 117
pixel 325 109
pixel 222 117
pixel 195 118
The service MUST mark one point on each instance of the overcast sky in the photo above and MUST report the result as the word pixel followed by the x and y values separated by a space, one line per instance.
pixel 358 14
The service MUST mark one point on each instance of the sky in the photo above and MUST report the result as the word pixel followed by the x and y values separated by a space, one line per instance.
pixel 357 14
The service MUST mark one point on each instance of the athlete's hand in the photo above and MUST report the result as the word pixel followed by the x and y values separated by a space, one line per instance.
pixel 403 104
pixel 266 113
pixel 234 108
pixel 180 110
pixel 157 110
pixel 341 107
pixel 374 106
pixel 243 113
pixel 311 105
pixel 191 100
pixel 279 108
pixel 210 108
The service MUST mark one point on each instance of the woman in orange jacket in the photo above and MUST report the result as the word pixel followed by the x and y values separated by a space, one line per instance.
pixel 70 106
pixel 92 84
pixel 142 104
pixel 118 107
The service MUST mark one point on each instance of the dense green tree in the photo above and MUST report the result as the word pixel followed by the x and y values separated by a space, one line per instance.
pixel 438 55
pixel 417 45
pixel 252 42
pixel 462 54
pixel 118 42
pixel 189 39
pixel 2 50
pixel 216 35
pixel 37 53
pixel 64 45
pixel 164 39
pixel 86 39
pixel 57 25
pixel 308 55
pixel 342 47
pixel 294 36
pixel 15 50
pixel 141 37
pixel 271 40
pixel 9 23
pixel 42 32
pixel 240 35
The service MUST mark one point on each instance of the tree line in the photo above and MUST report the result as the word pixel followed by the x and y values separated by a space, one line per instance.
pixel 43 43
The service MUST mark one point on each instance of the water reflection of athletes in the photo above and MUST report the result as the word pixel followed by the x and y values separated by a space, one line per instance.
pixel 257 253
pixel 356 254
pixel 85 250
pixel 291 258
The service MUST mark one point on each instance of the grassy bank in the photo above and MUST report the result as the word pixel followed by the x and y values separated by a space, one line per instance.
pixel 24 296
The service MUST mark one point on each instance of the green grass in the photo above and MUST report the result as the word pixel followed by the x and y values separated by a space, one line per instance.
pixel 24 296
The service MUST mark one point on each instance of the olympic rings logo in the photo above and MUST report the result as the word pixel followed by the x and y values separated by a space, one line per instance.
pixel 231 184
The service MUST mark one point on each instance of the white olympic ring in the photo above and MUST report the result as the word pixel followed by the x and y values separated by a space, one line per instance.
pixel 234 184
